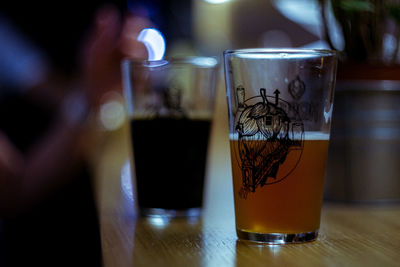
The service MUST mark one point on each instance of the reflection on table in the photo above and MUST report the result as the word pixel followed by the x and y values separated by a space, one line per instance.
pixel 349 235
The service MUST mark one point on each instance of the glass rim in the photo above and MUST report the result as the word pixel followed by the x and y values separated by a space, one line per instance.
pixel 197 61
pixel 280 53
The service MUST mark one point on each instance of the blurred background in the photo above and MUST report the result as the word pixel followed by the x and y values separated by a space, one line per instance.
pixel 40 39
pixel 51 47
pixel 365 139
pixel 207 27
pixel 197 27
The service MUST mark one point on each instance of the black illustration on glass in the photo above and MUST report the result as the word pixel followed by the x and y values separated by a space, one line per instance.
pixel 170 103
pixel 268 130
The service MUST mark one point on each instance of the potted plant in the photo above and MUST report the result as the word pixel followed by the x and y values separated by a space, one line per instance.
pixel 364 24
pixel 364 157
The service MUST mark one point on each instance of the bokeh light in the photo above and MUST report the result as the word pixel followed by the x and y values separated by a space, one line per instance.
pixel 154 42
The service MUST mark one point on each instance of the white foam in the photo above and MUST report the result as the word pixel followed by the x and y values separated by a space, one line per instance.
pixel 308 135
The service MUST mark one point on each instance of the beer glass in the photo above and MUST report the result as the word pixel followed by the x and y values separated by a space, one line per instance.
pixel 280 105
pixel 170 105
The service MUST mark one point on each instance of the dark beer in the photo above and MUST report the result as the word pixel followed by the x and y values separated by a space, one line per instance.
pixel 170 160
pixel 292 205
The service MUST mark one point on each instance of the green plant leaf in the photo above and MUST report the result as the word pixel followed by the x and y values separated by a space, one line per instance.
pixel 394 12
pixel 356 5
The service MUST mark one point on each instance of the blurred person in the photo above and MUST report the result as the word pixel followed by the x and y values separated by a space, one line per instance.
pixel 57 60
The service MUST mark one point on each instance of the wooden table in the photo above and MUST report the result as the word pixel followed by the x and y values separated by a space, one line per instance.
pixel 349 235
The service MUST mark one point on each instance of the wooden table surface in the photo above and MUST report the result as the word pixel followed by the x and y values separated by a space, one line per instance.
pixel 349 235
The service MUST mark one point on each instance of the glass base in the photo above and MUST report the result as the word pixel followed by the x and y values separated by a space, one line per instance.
pixel 276 238
pixel 170 213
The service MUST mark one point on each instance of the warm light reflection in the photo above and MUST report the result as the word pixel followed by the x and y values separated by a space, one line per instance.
pixel 274 249
pixel 112 112
pixel 112 115
pixel 154 42
pixel 261 247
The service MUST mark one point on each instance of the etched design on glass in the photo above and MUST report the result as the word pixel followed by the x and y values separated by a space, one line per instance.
pixel 171 103
pixel 268 130
pixel 297 88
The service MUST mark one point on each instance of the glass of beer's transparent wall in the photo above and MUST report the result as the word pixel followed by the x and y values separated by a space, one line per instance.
pixel 280 105
pixel 170 105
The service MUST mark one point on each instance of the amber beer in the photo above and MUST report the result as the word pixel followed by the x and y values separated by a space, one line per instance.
pixel 292 205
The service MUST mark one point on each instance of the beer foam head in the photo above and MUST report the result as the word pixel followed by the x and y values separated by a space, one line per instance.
pixel 308 135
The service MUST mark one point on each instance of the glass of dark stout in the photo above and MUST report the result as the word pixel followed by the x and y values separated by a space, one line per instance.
pixel 170 105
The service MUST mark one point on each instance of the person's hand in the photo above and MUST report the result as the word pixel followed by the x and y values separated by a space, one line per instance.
pixel 111 40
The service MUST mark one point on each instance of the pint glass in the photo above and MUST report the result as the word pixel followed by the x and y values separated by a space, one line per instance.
pixel 170 105
pixel 280 105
